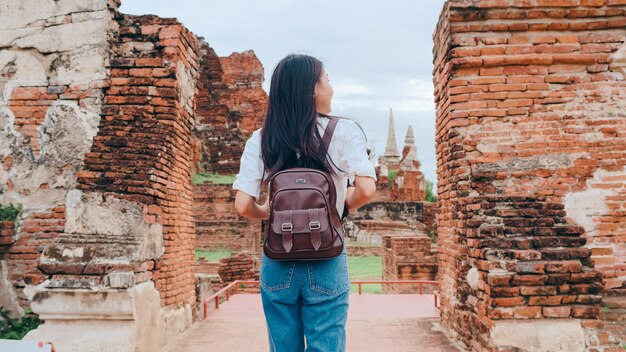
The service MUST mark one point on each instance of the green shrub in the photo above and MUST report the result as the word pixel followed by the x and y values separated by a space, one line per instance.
pixel 392 175
pixel 10 212
pixel 15 329
pixel 430 197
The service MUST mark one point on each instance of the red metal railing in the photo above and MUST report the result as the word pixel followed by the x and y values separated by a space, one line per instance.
pixel 419 282
pixel 226 289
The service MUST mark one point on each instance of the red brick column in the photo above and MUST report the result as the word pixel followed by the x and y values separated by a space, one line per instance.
pixel 143 149
pixel 528 111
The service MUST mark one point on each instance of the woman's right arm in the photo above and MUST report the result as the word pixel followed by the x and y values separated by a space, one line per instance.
pixel 359 195
pixel 355 161
pixel 248 180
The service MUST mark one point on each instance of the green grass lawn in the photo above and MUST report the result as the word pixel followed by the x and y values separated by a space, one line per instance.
pixel 360 268
pixel 365 268
pixel 212 256
pixel 212 178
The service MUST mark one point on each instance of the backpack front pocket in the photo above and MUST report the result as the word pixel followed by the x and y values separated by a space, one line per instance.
pixel 301 229
pixel 300 220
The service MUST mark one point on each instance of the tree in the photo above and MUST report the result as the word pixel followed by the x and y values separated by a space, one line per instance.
pixel 430 197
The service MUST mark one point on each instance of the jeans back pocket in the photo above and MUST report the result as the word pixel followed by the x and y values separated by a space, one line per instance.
pixel 331 275
pixel 275 274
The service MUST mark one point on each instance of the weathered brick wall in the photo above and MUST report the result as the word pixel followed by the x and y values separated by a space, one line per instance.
pixel 52 91
pixel 409 258
pixel 217 224
pixel 22 258
pixel 231 104
pixel 241 266
pixel 142 151
pixel 243 75
pixel 530 167
pixel 357 250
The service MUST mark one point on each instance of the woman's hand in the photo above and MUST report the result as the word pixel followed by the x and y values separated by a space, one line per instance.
pixel 266 208
pixel 246 206
pixel 349 192
pixel 359 195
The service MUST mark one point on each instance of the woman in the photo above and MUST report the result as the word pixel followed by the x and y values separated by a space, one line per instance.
pixel 304 299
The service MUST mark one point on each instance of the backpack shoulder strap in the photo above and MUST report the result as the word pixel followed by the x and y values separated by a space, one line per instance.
pixel 328 132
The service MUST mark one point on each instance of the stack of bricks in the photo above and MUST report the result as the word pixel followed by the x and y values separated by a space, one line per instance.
pixel 409 258
pixel 387 215
pixel 240 266
pixel 217 224
pixel 141 153
pixel 23 254
pixel 366 250
pixel 203 266
pixel 530 166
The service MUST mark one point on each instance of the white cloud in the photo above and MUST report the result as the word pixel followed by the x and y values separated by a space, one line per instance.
pixel 349 88
pixel 403 95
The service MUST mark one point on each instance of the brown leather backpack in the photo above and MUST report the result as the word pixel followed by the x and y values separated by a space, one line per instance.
pixel 304 223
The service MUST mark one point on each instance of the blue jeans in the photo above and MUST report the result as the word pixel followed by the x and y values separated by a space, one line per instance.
pixel 305 299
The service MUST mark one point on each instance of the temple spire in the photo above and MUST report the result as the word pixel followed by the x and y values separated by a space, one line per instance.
pixel 409 139
pixel 391 150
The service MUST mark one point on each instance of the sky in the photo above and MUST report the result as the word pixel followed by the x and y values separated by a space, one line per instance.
pixel 378 55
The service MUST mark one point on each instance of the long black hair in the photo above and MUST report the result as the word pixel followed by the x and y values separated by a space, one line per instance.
pixel 290 124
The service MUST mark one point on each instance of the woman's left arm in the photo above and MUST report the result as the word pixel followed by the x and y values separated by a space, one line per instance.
pixel 248 180
pixel 246 206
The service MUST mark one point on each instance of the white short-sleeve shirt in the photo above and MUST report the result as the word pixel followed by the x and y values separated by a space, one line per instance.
pixel 347 149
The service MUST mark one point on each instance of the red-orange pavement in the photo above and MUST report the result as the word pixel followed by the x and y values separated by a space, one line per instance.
pixel 376 322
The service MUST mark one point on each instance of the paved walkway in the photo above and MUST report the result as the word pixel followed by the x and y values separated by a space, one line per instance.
pixel 376 322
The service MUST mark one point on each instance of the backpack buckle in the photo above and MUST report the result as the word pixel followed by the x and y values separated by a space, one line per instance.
pixel 314 225
pixel 289 228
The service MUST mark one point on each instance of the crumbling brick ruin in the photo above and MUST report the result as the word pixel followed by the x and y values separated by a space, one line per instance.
pixel 105 118
pixel 531 101
pixel 409 258
pixel 230 105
